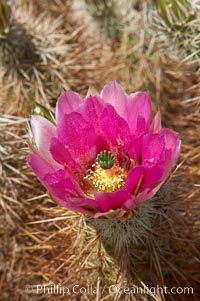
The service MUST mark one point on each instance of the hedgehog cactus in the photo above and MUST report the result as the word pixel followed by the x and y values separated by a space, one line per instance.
pixel 180 25
pixel 17 50
pixel 104 157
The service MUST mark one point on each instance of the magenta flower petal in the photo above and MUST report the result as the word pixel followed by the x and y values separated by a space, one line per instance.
pixel 152 176
pixel 140 127
pixel 72 204
pixel 78 136
pixel 115 129
pixel 134 177
pixel 68 192
pixel 152 149
pixel 172 141
pixel 155 126
pixel 39 165
pixel 137 139
pixel 81 204
pixel 135 150
pixel 91 110
pixel 61 184
pixel 138 104
pixel 142 197
pixel 172 147
pixel 68 102
pixel 43 130
pixel 57 181
pixel 113 94
pixel 142 177
pixel 62 155
pixel 111 200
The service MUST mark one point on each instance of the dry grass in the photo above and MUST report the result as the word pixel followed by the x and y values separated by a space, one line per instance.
pixel 42 242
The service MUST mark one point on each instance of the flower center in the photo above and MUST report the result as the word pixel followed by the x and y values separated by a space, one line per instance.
pixel 105 175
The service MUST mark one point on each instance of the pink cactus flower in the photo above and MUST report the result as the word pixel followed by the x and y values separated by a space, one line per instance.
pixel 103 156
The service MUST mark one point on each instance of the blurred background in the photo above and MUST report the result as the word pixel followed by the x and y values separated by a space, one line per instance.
pixel 47 47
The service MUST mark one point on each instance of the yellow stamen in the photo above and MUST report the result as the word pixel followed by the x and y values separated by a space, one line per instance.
pixel 107 180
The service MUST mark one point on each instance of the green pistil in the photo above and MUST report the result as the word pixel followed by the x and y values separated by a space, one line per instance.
pixel 105 159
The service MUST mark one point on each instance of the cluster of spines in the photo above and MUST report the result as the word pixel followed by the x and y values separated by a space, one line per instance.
pixel 176 13
pixel 179 22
